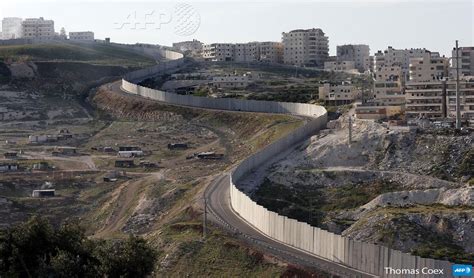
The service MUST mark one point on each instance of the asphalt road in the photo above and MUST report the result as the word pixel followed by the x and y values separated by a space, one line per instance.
pixel 220 211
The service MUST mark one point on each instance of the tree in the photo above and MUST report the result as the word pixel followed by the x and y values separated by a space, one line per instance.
pixel 26 249
pixel 62 33
pixel 36 249
pixel 130 258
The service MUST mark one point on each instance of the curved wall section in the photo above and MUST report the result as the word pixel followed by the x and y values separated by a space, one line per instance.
pixel 366 257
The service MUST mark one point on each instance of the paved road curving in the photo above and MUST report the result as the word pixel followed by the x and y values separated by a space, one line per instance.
pixel 220 211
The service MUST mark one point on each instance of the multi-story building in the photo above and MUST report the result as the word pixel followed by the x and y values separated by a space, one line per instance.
pixel 386 97
pixel 38 28
pixel 11 28
pixel 308 47
pixel 271 52
pixel 388 73
pixel 345 66
pixel 400 57
pixel 246 52
pixel 338 94
pixel 194 46
pixel 466 61
pixel 81 36
pixel 218 52
pixel 387 90
pixel 372 63
pixel 437 99
pixel 358 53
pixel 428 69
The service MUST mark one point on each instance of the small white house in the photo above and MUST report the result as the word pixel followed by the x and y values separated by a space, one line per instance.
pixel 130 153
pixel 7 167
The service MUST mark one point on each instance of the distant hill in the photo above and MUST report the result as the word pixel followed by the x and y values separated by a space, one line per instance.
pixel 102 54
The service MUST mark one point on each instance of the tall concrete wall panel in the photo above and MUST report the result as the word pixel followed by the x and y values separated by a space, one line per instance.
pixel 365 257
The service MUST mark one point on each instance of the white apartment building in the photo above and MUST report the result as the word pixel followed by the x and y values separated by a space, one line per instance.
pixel 218 52
pixel 358 53
pixel 194 46
pixel 11 28
pixel 308 47
pixel 271 52
pixel 81 36
pixel 400 57
pixel 388 73
pixel 246 52
pixel 343 66
pixel 387 90
pixel 428 69
pixel 387 97
pixel 338 94
pixel 388 93
pixel 231 81
pixel 437 99
pixel 466 61
pixel 38 28
pixel 372 63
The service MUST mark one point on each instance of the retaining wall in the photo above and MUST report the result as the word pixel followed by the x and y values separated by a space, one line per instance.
pixel 366 257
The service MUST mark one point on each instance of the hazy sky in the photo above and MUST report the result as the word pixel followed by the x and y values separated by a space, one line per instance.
pixel 401 24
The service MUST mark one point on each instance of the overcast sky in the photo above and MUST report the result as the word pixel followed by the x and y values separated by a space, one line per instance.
pixel 401 24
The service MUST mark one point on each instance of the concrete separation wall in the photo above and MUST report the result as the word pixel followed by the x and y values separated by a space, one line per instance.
pixel 366 257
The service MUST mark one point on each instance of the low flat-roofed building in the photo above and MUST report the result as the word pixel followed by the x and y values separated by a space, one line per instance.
pixel 338 94
pixel 129 148
pixel 10 155
pixel 43 193
pixel 377 112
pixel 342 66
pixel 43 138
pixel 8 167
pixel 130 153
pixel 231 81
pixel 42 165
pixel 128 163
pixel 65 150
pixel 81 36
pixel 177 146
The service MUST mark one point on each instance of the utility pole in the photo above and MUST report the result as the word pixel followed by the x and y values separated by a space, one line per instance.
pixel 458 109
pixel 350 130
pixel 204 223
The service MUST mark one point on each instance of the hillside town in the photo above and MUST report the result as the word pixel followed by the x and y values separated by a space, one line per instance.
pixel 295 156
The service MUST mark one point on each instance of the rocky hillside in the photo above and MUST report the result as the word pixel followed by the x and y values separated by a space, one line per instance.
pixel 410 190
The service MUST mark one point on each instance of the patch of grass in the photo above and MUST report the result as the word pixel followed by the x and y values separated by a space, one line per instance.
pixel 311 204
pixel 437 248
pixel 215 256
